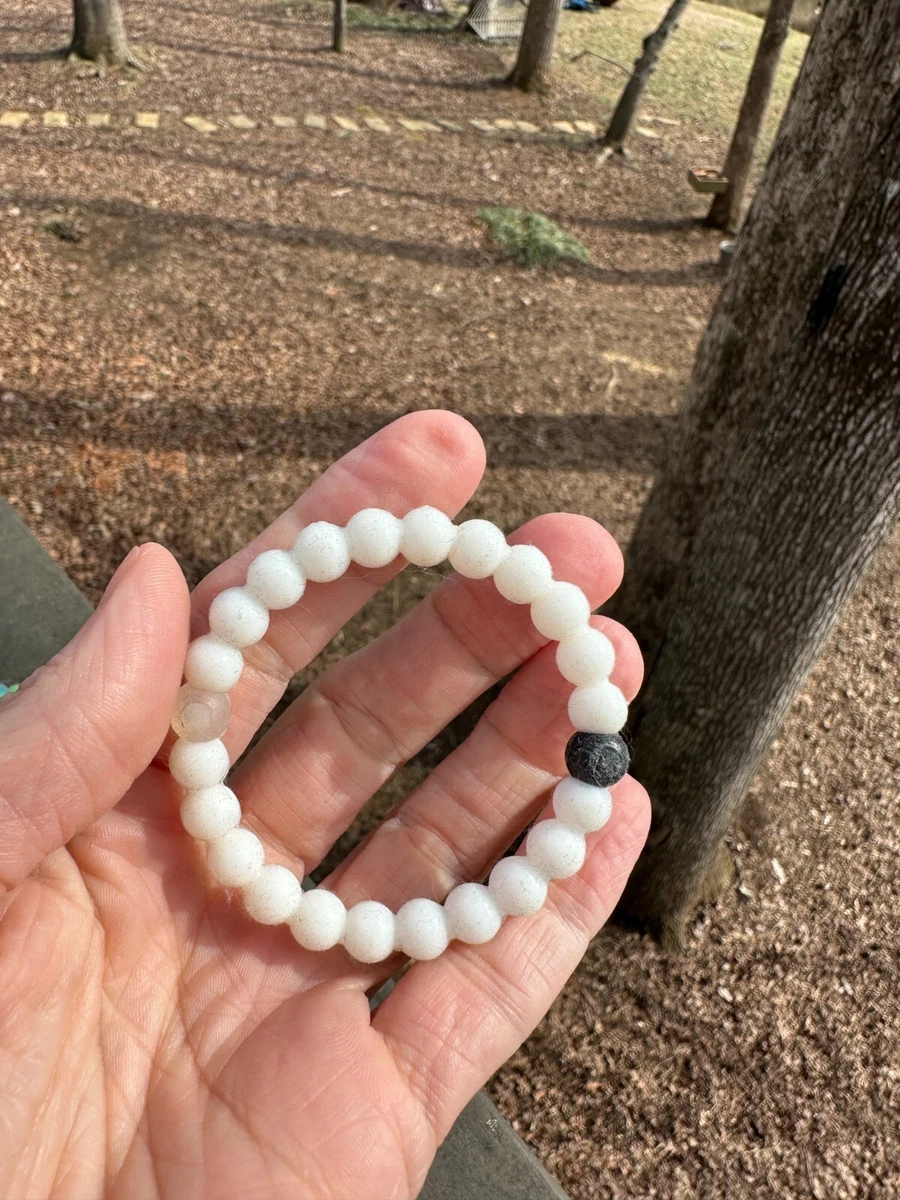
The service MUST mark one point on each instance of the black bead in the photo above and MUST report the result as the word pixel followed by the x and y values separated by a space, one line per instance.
pixel 598 758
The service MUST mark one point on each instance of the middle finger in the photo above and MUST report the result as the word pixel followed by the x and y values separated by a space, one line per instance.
pixel 342 739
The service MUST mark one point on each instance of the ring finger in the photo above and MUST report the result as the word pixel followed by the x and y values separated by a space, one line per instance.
pixel 306 780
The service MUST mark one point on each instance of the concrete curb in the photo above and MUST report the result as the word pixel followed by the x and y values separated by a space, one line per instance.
pixel 40 608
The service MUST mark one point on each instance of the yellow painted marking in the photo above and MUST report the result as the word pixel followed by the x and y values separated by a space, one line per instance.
pixel 200 124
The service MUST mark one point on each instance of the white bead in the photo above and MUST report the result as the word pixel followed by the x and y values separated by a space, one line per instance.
pixel 473 914
pixel 200 716
pixel 561 612
pixel 421 929
pixel 598 709
pixel 582 805
pixel 369 932
pixel 373 537
pixel 321 552
pixel 427 537
pixel 554 849
pixel 586 658
pixel 275 579
pixel 236 858
pixel 273 896
pixel 479 550
pixel 524 575
pixel 236 616
pixel 198 764
pixel 208 813
pixel 318 923
pixel 517 887
pixel 213 665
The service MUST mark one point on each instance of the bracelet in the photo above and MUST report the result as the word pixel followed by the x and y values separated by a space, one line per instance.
pixel 596 756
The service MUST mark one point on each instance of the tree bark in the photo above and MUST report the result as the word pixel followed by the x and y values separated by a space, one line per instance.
pixel 725 212
pixel 339 26
pixel 644 66
pixel 534 63
pixel 784 474
pixel 99 33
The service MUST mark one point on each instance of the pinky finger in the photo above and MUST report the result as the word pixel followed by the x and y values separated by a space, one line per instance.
pixel 452 1022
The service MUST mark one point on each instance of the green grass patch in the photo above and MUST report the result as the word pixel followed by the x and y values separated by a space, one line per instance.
pixel 378 16
pixel 395 20
pixel 803 17
pixel 703 71
pixel 531 239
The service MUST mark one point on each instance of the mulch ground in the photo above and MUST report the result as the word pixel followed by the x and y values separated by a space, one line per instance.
pixel 235 311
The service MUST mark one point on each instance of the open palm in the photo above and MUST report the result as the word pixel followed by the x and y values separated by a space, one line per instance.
pixel 156 1041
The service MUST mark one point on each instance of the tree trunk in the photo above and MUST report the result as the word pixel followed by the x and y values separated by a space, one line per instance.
pixel 784 474
pixel 339 26
pixel 99 33
pixel 725 212
pixel 534 64
pixel 644 66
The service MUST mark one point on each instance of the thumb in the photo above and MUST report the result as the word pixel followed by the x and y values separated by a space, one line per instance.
pixel 82 728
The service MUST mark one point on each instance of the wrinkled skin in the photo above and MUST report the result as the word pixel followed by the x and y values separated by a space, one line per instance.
pixel 153 1039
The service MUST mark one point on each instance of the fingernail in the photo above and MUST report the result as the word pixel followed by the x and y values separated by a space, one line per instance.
pixel 124 569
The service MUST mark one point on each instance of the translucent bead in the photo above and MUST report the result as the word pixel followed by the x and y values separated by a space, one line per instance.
pixel 273 896
pixel 562 612
pixel 237 617
pixel 200 716
pixel 517 887
pixel 586 658
pixel 524 575
pixel 318 923
pixel 198 764
pixel 582 805
pixel 479 550
pixel 208 813
pixel 321 552
pixel 369 932
pixel 473 915
pixel 598 709
pixel 373 537
pixel 236 858
pixel 275 579
pixel 555 849
pixel 421 929
pixel 427 537
pixel 213 665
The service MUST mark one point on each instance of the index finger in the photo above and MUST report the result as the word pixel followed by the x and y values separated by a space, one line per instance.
pixel 430 457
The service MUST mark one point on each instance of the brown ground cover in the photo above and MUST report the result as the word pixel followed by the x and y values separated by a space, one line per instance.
pixel 239 309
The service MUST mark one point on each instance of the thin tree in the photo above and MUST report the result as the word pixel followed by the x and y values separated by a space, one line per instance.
pixel 534 62
pixel 784 474
pixel 725 212
pixel 644 66
pixel 339 26
pixel 98 34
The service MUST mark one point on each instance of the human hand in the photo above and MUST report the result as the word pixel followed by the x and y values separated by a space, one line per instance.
pixel 154 1041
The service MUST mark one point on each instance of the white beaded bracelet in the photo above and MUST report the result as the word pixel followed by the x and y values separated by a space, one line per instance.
pixel 596 755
